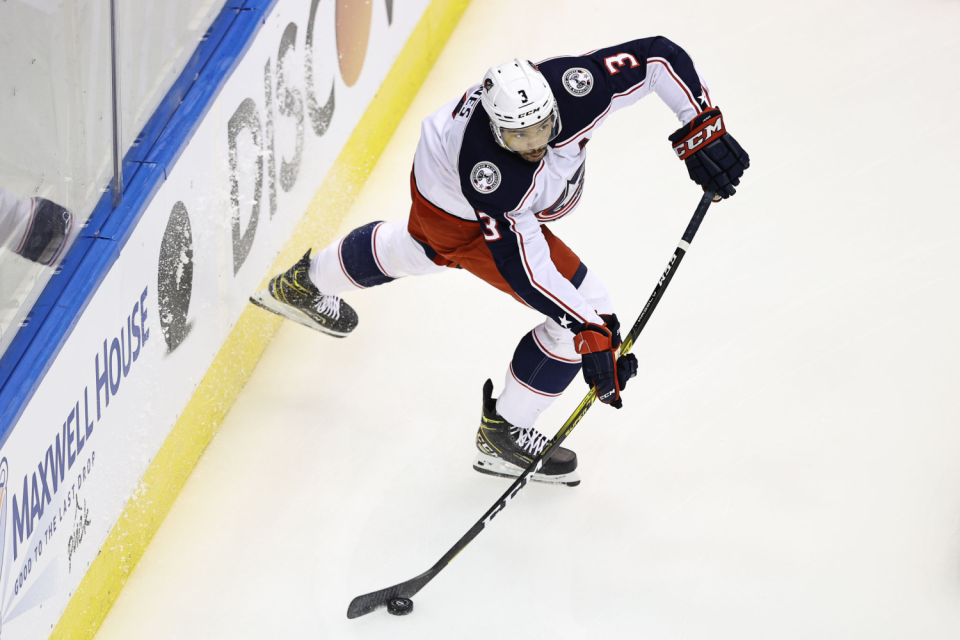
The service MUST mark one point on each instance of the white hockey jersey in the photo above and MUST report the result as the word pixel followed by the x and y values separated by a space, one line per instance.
pixel 460 168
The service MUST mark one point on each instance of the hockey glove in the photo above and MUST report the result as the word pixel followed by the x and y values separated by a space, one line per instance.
pixel 47 232
pixel 602 370
pixel 714 160
pixel 626 364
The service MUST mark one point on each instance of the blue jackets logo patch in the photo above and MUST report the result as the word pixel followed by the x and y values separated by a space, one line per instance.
pixel 485 177
pixel 578 81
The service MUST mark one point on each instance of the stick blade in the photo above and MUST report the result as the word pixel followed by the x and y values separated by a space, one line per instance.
pixel 362 605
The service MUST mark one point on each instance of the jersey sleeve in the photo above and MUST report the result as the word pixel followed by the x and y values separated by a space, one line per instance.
pixel 522 256
pixel 654 65
pixel 590 87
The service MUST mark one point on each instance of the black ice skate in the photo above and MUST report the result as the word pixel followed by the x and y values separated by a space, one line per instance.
pixel 293 296
pixel 506 450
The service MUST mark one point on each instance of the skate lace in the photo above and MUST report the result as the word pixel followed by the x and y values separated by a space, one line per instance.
pixel 529 439
pixel 329 305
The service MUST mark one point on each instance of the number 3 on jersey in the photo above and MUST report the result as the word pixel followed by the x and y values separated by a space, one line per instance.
pixel 621 59
pixel 490 231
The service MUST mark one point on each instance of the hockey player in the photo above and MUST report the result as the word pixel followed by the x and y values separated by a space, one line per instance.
pixel 491 170
pixel 34 228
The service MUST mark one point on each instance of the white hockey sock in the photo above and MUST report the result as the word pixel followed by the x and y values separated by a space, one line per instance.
pixel 519 404
pixel 373 254
pixel 327 274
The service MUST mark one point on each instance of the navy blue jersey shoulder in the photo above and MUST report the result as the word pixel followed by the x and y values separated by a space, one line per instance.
pixel 492 179
pixel 611 71
pixel 495 181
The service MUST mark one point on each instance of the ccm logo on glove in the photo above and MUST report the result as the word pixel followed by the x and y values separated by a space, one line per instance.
pixel 714 160
pixel 706 131
pixel 602 369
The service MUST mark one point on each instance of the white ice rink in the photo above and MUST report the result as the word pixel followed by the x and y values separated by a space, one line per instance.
pixel 787 463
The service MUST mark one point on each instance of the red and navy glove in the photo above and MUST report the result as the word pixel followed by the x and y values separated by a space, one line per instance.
pixel 626 364
pixel 714 160
pixel 602 370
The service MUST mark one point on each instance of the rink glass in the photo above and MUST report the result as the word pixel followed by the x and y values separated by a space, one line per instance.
pixel 55 123
pixel 57 110
pixel 156 40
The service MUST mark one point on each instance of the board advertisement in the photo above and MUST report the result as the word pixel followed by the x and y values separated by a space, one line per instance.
pixel 203 243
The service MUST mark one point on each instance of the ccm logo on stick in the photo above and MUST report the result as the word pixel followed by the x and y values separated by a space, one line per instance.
pixel 615 62
pixel 700 136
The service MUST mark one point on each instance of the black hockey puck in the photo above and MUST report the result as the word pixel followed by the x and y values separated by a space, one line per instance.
pixel 399 606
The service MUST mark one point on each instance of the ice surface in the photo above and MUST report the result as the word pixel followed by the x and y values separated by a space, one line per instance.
pixel 786 462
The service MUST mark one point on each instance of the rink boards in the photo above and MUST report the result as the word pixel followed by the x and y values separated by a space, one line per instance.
pixel 262 159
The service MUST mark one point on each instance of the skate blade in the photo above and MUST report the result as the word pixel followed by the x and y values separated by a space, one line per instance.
pixel 264 300
pixel 496 467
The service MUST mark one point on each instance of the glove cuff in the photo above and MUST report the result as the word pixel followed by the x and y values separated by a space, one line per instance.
pixel 696 134
pixel 593 338
pixel 611 322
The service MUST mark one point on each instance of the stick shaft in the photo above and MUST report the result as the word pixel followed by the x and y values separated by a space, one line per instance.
pixel 364 604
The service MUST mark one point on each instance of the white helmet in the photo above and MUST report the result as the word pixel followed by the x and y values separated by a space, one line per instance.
pixel 516 95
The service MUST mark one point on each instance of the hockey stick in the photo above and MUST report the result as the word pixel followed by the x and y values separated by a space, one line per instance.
pixel 362 605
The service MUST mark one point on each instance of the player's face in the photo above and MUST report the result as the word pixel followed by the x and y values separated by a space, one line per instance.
pixel 530 143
